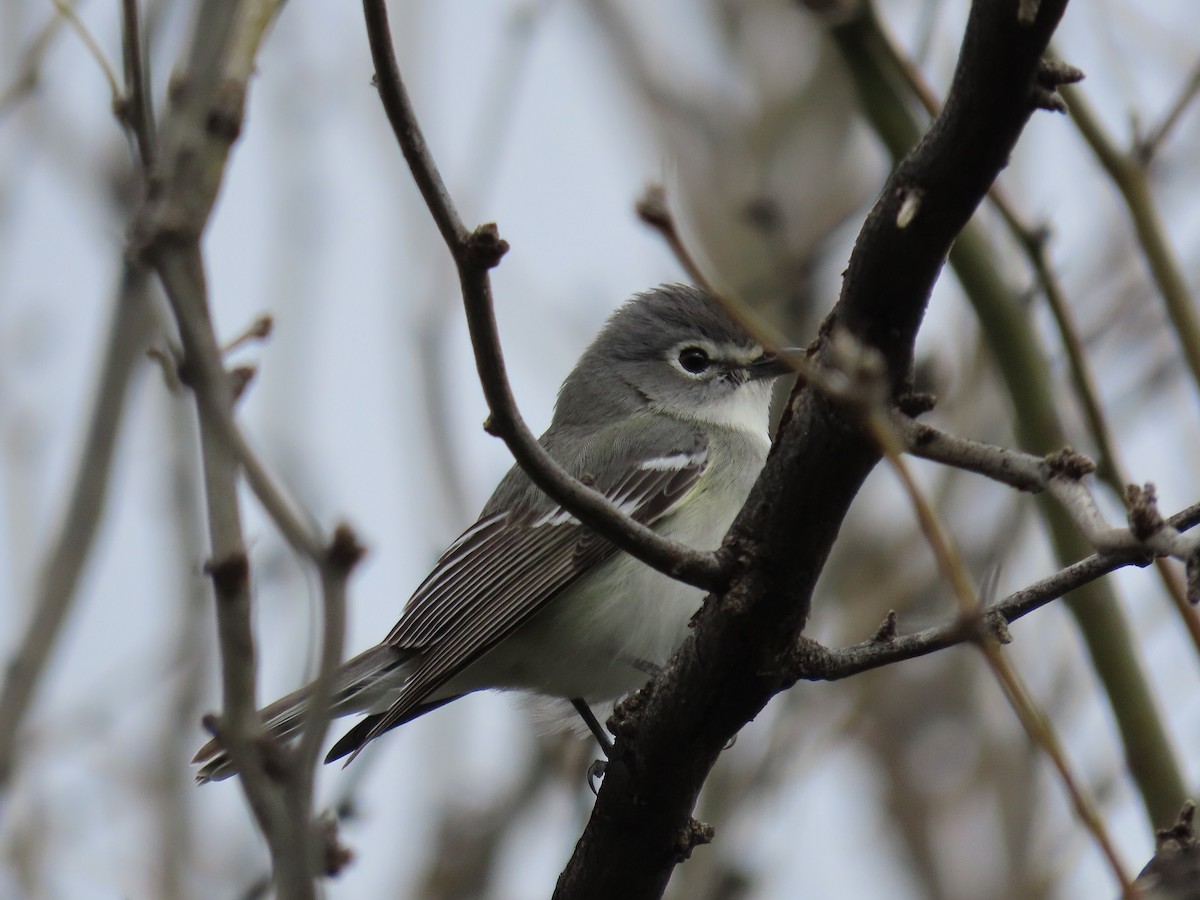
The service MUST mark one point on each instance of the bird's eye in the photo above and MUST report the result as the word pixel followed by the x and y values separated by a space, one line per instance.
pixel 693 360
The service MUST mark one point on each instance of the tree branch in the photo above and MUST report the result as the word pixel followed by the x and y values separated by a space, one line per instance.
pixel 1062 475
pixel 475 253
pixel 672 731
pixel 1016 350
pixel 1129 176
pixel 207 99
pixel 812 662
pixel 129 335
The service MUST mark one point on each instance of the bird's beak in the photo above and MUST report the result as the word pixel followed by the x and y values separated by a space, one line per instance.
pixel 774 363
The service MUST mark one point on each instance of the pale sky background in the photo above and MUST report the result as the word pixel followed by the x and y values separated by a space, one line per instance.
pixel 318 224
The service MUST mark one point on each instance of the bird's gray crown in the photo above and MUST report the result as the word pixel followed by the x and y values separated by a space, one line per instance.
pixel 653 322
pixel 634 362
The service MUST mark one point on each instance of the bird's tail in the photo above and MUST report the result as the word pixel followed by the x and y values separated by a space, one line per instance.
pixel 358 685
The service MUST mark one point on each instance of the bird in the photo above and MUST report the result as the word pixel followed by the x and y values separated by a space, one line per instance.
pixel 666 414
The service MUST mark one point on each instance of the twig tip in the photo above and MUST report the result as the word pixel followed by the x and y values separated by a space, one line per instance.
pixel 886 632
pixel 694 834
pixel 344 549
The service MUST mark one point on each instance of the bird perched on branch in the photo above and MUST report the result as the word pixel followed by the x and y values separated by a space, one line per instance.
pixel 666 415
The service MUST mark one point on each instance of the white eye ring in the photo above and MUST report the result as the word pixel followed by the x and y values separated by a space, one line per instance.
pixel 694 360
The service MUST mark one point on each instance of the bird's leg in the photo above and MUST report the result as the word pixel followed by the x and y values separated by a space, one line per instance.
pixel 593 724
pixel 596 770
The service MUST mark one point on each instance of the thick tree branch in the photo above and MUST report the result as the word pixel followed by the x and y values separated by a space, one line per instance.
pixel 671 732
pixel 475 253
pixel 1016 349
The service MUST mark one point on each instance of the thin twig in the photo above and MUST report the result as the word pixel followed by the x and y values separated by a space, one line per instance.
pixel 475 253
pixel 137 111
pixel 1017 351
pixel 29 72
pixel 1147 147
pixel 343 554
pixel 1033 718
pixel 1034 243
pixel 203 121
pixel 1131 180
pixel 129 335
pixel 1062 475
pixel 672 732
pixel 67 12
pixel 182 276
pixel 192 653
pixel 652 209
pixel 822 664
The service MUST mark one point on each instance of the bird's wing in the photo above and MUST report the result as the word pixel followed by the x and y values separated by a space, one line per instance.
pixel 509 564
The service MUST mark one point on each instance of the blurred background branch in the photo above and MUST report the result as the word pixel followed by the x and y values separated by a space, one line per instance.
pixel 551 118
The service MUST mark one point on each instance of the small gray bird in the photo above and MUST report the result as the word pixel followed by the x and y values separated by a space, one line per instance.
pixel 666 414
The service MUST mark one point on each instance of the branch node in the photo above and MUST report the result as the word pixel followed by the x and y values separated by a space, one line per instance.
pixel 694 834
pixel 886 632
pixel 997 626
pixel 120 110
pixel 807 659
pixel 259 330
pixel 652 209
pixel 1054 73
pixel 229 575
pixel 916 403
pixel 1145 520
pixel 484 247
pixel 490 426
pixel 333 855
pixel 1051 75
pixel 1027 11
pixel 239 379
pixel 170 367
pixel 1067 463
pixel 627 713
pixel 1182 831
pixel 1049 100
pixel 910 205
pixel 344 549
pixel 1192 571
pixel 224 119
pixel 1175 868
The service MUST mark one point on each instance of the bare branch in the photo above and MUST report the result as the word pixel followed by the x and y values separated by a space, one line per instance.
pixel 1062 475
pixel 475 253
pixel 1131 179
pixel 136 109
pixel 653 210
pixel 1147 147
pixel 1034 242
pixel 129 335
pixel 1016 348
pixel 953 569
pixel 815 663
pixel 207 100
pixel 672 731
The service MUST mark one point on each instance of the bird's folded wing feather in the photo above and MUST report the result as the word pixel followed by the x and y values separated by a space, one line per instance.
pixel 509 564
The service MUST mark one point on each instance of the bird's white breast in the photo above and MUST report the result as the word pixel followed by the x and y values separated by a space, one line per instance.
pixel 604 636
